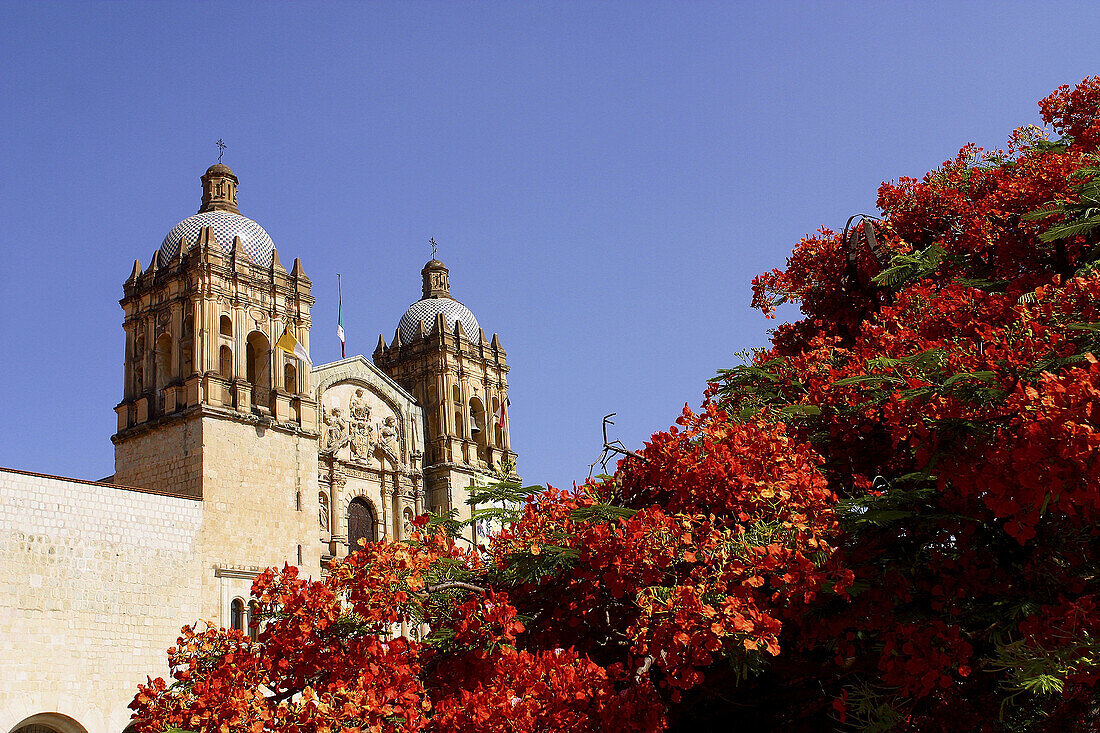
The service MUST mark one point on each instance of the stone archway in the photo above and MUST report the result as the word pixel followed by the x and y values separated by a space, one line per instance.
pixel 362 522
pixel 49 723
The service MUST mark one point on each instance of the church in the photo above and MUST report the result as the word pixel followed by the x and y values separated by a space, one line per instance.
pixel 233 453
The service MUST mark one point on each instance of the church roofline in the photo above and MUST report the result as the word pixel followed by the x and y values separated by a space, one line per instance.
pixel 139 489
pixel 359 358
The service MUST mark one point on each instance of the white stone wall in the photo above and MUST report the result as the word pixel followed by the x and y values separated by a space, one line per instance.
pixel 95 582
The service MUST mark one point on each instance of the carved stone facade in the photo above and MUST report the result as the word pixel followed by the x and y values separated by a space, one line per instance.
pixel 371 452
pixel 231 455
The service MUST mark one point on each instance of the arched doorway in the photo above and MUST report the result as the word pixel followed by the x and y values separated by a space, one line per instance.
pixel 361 523
pixel 49 723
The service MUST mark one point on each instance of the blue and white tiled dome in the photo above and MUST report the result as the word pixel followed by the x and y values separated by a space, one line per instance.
pixel 226 225
pixel 424 311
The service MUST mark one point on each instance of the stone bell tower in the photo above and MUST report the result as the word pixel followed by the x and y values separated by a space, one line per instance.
pixel 210 407
pixel 441 355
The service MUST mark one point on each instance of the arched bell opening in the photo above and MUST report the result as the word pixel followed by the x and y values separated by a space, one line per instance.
pixel 479 427
pixel 460 419
pixel 187 345
pixel 498 429
pixel 162 367
pixel 290 378
pixel 225 362
pixel 257 361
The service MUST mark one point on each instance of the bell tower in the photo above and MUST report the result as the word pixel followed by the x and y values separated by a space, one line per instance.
pixel 201 323
pixel 211 408
pixel 440 354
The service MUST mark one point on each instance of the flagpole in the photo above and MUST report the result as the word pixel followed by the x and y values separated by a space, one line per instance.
pixel 340 314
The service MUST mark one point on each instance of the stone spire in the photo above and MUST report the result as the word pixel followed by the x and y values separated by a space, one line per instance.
pixel 436 283
pixel 219 189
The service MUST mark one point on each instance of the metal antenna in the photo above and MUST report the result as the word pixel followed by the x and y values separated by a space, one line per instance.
pixel 221 148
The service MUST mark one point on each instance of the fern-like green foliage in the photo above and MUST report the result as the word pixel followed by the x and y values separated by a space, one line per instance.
pixel 873 710
pixel 910 267
pixel 1079 218
pixel 1038 670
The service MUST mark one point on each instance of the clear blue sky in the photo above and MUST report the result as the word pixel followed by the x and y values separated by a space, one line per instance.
pixel 604 179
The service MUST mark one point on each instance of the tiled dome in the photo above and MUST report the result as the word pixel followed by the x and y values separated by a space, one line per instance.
pixel 424 311
pixel 226 225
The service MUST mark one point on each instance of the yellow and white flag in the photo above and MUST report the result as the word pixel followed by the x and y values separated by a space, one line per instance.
pixel 292 346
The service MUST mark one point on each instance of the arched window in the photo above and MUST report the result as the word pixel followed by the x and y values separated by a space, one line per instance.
pixel 253 620
pixel 236 614
pixel 290 379
pixel 361 524
pixel 226 326
pixel 225 362
pixel 51 723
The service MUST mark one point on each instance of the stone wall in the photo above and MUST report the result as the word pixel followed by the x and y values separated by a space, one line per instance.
pixel 95 582
pixel 259 506
pixel 166 457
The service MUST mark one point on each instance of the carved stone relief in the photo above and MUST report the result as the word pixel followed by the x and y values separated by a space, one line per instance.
pixel 360 427
pixel 139 364
pixel 336 430
pixel 323 515
pixel 362 432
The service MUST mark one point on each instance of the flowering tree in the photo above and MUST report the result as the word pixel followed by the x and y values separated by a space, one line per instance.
pixel 593 610
pixel 885 521
pixel 945 371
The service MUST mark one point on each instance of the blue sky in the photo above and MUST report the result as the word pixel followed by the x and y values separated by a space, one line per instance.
pixel 604 179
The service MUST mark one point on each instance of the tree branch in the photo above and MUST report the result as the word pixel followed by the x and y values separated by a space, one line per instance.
pixel 448 585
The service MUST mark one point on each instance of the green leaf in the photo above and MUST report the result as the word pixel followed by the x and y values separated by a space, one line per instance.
pixel 1070 229
pixel 867 379
pixel 800 410
pixel 904 268
pixel 983 376
pixel 601 513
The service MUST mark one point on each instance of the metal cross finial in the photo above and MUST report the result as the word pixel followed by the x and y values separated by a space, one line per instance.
pixel 221 148
pixel 434 246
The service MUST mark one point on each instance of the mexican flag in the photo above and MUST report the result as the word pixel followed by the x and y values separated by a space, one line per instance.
pixel 340 324
pixel 293 346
